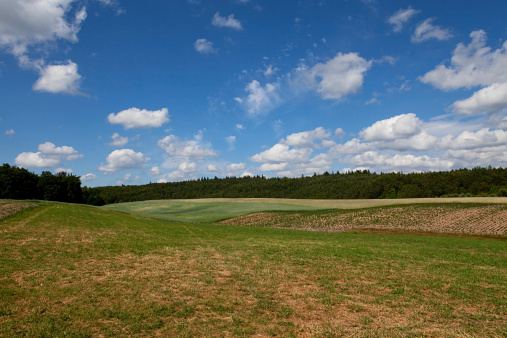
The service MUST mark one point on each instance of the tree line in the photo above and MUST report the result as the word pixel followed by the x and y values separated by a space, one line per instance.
pixel 351 185
pixel 19 183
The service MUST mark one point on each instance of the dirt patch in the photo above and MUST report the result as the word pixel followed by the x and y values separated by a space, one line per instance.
pixel 7 208
pixel 453 219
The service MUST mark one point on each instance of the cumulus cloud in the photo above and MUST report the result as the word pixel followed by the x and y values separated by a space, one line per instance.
pixel 212 168
pixel 25 23
pixel 235 167
pixel 48 156
pixel 471 65
pixel 401 126
pixel 36 160
pixel 401 17
pixel 155 171
pixel 488 100
pixel 88 177
pixel 10 132
pixel 274 166
pixel 185 170
pixel 61 78
pixel 63 170
pixel 337 78
pixel 426 31
pixel 229 22
pixel 118 141
pixel 137 118
pixel 281 153
pixel 261 99
pixel 204 46
pixel 128 178
pixel 174 146
pixel 400 162
pixel 306 138
pixel 28 26
pixel 482 138
pixel 122 159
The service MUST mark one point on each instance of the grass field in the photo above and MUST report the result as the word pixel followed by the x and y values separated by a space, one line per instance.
pixel 71 270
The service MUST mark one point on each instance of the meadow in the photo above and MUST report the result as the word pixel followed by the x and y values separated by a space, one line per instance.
pixel 82 271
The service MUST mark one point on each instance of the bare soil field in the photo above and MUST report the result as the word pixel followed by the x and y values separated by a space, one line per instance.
pixel 442 218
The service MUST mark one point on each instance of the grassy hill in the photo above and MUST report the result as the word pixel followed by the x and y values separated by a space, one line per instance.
pixel 72 270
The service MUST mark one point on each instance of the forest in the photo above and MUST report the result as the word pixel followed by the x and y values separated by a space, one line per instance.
pixel 350 185
pixel 19 183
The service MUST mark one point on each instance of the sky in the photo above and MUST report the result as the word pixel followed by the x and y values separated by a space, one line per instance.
pixel 132 92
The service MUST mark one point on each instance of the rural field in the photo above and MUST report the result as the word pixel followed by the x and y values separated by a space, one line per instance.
pixel 217 268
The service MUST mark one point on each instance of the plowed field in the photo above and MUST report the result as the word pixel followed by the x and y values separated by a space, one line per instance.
pixel 452 218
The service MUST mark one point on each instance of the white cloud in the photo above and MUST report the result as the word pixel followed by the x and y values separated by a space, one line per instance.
pixel 281 153
pixel 64 152
pixel 24 23
pixel 63 170
pixel 204 46
pixel 306 138
pixel 230 140
pixel 127 178
pixel 270 70
pixel 212 168
pixel 10 132
pixel 476 140
pixel 61 78
pixel 240 126
pixel 261 99
pixel 118 141
pixel 48 156
pixel 236 167
pixel 36 160
pixel 401 17
pixel 410 163
pixel 229 22
pixel 425 31
pixel 488 100
pixel 88 177
pixel 247 174
pixel 353 146
pixel 155 171
pixel 471 65
pixel 401 126
pixel 137 118
pixel 273 166
pixel 174 146
pixel 121 159
pixel 339 77
pixel 185 170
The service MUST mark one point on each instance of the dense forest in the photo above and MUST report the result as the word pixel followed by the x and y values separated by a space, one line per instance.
pixel 19 183
pixel 353 185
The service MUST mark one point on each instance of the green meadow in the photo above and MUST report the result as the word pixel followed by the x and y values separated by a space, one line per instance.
pixel 81 271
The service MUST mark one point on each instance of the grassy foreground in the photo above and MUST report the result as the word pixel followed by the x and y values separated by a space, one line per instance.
pixel 70 270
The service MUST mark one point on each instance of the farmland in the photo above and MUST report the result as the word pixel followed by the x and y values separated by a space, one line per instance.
pixel 73 270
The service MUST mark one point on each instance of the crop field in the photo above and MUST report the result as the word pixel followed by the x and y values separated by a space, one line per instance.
pixel 81 271
pixel 216 209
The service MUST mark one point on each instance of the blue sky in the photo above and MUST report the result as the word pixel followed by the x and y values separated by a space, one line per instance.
pixel 131 92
